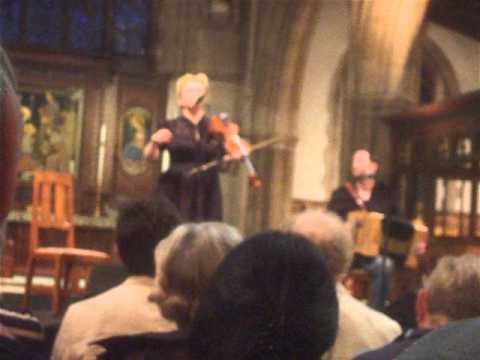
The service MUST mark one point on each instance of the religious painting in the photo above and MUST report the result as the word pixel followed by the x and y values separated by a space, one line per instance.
pixel 135 128
pixel 51 130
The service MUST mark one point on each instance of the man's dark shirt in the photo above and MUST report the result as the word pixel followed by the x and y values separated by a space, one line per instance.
pixel 383 200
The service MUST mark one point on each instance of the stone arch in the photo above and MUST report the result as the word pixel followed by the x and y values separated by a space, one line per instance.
pixel 282 41
pixel 434 58
pixel 439 63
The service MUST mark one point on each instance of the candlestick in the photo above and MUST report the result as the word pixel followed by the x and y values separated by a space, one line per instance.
pixel 100 168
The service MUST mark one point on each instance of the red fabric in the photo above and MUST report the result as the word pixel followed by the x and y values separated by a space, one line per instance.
pixel 10 131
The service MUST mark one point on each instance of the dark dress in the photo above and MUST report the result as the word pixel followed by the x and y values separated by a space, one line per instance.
pixel 197 197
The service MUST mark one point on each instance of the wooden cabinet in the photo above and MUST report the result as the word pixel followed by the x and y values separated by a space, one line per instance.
pixel 436 166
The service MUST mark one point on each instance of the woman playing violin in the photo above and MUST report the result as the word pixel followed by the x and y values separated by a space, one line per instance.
pixel 190 143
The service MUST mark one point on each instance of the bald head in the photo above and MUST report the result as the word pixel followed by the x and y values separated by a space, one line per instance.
pixel 362 163
pixel 330 234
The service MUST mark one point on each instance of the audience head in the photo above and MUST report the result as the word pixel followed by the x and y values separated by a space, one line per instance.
pixel 331 235
pixel 453 290
pixel 141 225
pixel 271 298
pixel 185 262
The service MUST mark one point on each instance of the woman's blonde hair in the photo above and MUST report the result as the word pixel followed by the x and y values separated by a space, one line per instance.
pixel 183 80
pixel 185 262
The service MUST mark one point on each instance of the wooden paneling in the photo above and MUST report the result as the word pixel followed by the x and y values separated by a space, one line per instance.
pixel 150 95
pixel 427 153
pixel 61 72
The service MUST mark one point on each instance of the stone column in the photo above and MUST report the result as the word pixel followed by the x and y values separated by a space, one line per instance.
pixel 380 47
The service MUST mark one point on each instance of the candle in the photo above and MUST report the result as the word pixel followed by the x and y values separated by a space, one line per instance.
pixel 103 134
pixel 101 156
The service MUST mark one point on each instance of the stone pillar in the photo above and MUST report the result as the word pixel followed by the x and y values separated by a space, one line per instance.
pixel 380 47
pixel 281 40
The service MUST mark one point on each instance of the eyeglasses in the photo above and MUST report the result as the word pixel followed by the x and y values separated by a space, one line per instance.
pixel 364 177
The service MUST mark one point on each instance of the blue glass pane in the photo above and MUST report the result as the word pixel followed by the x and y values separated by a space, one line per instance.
pixel 45 20
pixel 130 26
pixel 9 20
pixel 87 24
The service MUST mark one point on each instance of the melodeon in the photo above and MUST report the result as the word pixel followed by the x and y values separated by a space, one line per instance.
pixel 371 236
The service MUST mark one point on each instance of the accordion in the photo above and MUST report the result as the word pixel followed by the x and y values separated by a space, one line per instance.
pixel 374 233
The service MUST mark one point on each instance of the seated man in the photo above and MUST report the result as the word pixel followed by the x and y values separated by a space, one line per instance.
pixel 364 192
pixel 124 309
pixel 451 292
pixel 360 327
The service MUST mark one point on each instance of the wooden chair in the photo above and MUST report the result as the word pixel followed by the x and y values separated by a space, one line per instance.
pixel 52 211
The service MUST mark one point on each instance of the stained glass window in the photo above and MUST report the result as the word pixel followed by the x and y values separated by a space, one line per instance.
pixel 10 11
pixel 130 27
pixel 77 25
pixel 45 23
pixel 87 25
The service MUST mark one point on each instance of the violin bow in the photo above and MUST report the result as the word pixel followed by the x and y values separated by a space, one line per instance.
pixel 258 146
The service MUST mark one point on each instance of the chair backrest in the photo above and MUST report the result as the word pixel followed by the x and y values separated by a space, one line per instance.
pixel 52 205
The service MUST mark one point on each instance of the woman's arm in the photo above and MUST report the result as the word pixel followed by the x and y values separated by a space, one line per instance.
pixel 159 138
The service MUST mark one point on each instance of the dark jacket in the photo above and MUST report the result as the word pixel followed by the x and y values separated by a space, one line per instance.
pixel 454 341
pixel 165 346
pixel 391 350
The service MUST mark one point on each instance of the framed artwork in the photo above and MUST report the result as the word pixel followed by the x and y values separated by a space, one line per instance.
pixel 135 128
pixel 52 125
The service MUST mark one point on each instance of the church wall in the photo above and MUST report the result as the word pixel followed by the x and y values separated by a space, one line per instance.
pixel 314 156
pixel 463 53
pixel 327 47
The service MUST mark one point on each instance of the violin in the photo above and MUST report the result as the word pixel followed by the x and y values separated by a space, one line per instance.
pixel 235 146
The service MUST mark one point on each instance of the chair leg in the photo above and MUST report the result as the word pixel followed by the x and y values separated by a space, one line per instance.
pixel 67 284
pixel 28 284
pixel 56 290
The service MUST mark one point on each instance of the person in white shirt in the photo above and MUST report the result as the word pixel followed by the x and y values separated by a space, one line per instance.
pixel 360 327
pixel 126 308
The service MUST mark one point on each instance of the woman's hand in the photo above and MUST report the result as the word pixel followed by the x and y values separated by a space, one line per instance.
pixel 162 136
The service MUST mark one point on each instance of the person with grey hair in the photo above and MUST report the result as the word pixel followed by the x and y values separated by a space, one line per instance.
pixel 185 261
pixel 360 327
pixel 450 293
pixel 453 289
